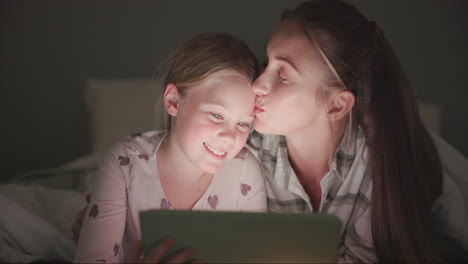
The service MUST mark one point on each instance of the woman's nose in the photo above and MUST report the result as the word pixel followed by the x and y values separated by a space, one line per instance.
pixel 260 86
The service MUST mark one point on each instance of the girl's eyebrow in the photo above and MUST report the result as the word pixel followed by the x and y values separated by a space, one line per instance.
pixel 212 104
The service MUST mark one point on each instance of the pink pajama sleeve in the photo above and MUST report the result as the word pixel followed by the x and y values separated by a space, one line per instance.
pixel 104 222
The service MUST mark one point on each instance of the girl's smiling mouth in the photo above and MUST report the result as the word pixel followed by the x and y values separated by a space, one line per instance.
pixel 214 152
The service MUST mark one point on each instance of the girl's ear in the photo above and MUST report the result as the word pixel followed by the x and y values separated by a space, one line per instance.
pixel 340 103
pixel 171 99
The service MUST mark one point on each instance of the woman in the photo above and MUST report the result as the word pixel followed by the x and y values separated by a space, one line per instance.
pixel 345 137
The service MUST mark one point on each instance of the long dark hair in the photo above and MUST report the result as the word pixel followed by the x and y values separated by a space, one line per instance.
pixel 402 159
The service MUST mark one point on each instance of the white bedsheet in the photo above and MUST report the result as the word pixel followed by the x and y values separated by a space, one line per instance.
pixel 454 164
pixel 35 223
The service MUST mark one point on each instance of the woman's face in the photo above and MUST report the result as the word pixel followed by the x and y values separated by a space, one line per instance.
pixel 287 88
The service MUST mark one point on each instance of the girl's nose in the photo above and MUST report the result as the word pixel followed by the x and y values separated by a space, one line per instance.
pixel 228 135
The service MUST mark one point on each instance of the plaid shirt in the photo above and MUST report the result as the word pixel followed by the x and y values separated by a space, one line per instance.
pixel 346 191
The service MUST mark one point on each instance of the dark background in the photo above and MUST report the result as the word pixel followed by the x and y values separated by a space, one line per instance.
pixel 49 48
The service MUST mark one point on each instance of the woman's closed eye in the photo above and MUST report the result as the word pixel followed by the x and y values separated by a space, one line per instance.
pixel 282 79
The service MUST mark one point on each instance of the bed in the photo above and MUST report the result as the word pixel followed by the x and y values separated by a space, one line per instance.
pixel 39 206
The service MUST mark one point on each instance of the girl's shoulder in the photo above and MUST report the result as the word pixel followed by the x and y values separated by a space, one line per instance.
pixel 243 154
pixel 144 143
pixel 128 153
pixel 246 157
pixel 245 166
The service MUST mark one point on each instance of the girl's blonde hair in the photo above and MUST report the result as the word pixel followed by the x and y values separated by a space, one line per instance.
pixel 200 57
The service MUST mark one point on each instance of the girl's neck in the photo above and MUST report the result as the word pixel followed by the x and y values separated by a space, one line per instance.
pixel 183 183
pixel 175 164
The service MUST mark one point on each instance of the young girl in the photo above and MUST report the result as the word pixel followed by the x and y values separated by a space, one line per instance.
pixel 198 164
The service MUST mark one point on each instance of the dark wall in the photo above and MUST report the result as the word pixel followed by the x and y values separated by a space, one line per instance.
pixel 49 48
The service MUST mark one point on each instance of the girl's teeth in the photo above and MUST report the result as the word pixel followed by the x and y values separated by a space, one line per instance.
pixel 219 153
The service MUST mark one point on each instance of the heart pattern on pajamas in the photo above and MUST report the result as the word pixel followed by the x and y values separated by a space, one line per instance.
pixel 165 204
pixel 213 201
pixel 124 161
pixel 94 211
pixel 116 249
pixel 245 188
pixel 143 156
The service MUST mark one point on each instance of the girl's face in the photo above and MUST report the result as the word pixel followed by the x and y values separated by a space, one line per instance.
pixel 213 120
pixel 287 88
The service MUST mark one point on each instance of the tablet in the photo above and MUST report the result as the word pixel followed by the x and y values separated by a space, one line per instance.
pixel 234 237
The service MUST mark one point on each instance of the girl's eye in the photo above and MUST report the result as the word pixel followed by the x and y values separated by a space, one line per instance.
pixel 242 124
pixel 217 116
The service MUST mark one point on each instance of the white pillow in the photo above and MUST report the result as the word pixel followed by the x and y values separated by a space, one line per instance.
pixel 431 115
pixel 119 107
